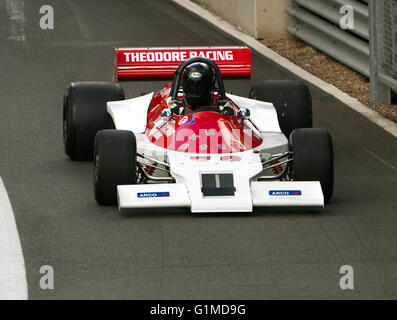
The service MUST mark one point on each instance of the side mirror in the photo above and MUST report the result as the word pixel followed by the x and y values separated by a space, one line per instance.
pixel 166 113
pixel 244 113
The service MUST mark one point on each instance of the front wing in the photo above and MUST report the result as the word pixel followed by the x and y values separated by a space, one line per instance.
pixel 263 194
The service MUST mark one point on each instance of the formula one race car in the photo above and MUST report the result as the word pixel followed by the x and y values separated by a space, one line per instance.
pixel 193 145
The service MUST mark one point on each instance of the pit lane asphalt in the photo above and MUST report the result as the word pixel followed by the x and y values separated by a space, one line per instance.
pixel 97 253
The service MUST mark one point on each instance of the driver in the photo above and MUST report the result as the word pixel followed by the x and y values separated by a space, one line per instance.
pixel 198 83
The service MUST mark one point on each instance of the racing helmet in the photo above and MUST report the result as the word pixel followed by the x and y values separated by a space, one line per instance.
pixel 198 81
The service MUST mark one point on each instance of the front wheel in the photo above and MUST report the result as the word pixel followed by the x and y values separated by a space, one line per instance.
pixel 313 158
pixel 114 164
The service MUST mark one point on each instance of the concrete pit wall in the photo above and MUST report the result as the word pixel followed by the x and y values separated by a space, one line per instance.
pixel 259 18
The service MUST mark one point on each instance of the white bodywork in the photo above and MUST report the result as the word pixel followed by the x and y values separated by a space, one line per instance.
pixel 130 114
pixel 263 114
pixel 186 192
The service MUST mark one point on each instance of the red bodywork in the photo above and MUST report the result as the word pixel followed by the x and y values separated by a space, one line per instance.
pixel 201 132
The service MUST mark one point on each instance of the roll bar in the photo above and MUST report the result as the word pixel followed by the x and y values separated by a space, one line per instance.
pixel 179 72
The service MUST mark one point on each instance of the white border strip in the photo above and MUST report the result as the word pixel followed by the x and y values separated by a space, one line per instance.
pixel 13 284
pixel 17 19
pixel 351 102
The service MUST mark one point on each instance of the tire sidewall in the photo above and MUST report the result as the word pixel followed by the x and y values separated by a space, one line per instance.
pixel 291 99
pixel 313 158
pixel 84 114
pixel 114 164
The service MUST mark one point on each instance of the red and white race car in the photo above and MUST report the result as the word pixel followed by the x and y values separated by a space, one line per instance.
pixel 157 151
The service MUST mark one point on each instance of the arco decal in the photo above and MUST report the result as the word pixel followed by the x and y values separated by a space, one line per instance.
pixel 145 195
pixel 285 193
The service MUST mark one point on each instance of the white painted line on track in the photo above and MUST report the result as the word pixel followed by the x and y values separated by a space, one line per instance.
pixel 351 102
pixel 17 19
pixel 380 159
pixel 81 21
pixel 13 284
pixel 88 43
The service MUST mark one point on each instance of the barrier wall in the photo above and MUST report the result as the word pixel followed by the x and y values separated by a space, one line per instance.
pixel 261 18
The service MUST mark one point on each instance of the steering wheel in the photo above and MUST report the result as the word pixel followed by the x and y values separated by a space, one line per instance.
pixel 179 72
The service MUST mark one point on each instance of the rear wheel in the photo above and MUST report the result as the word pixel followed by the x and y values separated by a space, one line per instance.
pixel 292 100
pixel 84 114
pixel 313 158
pixel 114 164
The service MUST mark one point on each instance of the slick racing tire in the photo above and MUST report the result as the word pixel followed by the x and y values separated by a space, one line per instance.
pixel 84 114
pixel 114 163
pixel 292 100
pixel 313 158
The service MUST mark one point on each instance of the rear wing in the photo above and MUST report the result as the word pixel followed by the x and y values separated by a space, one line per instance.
pixel 160 63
